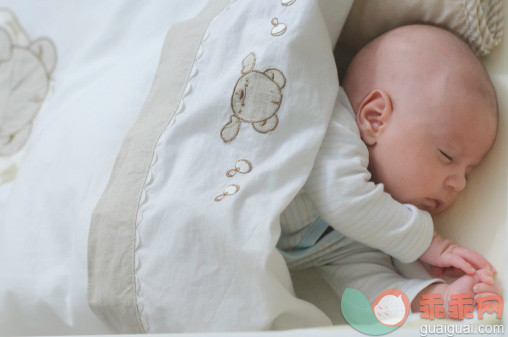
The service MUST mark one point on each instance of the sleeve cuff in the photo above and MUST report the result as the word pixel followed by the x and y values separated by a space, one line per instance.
pixel 413 287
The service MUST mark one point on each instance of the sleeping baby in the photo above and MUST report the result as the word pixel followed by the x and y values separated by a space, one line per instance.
pixel 416 114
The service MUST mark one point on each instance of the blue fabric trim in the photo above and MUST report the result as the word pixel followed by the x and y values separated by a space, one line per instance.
pixel 315 231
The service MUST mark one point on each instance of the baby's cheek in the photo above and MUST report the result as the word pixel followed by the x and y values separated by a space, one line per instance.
pixel 449 203
pixel 425 178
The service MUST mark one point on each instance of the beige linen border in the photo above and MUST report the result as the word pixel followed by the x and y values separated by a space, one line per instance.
pixel 111 242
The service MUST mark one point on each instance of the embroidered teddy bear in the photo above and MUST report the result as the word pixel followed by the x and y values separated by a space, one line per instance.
pixel 256 98
pixel 25 73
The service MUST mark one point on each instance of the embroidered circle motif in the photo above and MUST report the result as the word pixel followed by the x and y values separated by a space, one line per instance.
pixel 287 2
pixel 229 190
pixel 278 28
pixel 242 166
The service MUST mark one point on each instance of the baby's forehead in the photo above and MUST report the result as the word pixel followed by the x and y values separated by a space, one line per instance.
pixel 467 128
pixel 455 103
pixel 459 94
pixel 439 69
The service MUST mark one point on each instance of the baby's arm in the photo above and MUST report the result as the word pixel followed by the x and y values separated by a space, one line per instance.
pixel 339 186
pixel 368 270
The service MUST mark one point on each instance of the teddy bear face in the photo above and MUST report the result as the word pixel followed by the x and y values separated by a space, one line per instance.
pixel 25 75
pixel 23 86
pixel 256 97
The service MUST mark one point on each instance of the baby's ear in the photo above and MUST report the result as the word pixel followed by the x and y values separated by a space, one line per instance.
pixel 372 114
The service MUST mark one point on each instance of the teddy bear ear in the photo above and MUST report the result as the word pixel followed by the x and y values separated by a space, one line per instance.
pixel 277 76
pixel 248 63
pixel 230 130
pixel 46 52
pixel 5 45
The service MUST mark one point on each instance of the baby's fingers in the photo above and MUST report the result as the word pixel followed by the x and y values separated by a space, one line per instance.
pixel 473 257
pixel 485 288
pixel 485 294
pixel 458 262
pixel 485 276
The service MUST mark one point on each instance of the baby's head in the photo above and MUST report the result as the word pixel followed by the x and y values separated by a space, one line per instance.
pixel 426 110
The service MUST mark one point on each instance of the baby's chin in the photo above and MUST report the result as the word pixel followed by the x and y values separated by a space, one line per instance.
pixel 426 208
pixel 433 207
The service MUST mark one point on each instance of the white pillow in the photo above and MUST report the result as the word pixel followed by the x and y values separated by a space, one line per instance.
pixel 478 22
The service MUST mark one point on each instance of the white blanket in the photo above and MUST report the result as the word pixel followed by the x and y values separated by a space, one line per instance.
pixel 107 57
pixel 202 177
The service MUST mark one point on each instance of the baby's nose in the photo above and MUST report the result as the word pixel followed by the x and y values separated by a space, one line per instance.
pixel 457 182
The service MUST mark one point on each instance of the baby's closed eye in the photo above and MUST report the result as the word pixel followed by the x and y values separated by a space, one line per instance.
pixel 448 157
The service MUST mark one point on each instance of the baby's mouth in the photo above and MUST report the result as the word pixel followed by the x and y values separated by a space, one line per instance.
pixel 432 204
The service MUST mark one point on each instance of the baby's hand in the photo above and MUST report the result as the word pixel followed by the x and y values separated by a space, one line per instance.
pixel 485 285
pixel 444 253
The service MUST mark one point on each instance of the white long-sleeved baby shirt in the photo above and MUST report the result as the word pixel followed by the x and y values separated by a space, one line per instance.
pixel 339 191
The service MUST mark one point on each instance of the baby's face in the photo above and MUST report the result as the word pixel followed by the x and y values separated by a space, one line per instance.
pixel 424 158
pixel 426 110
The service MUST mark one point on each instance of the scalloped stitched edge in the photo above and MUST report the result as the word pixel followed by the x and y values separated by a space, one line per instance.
pixel 150 176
